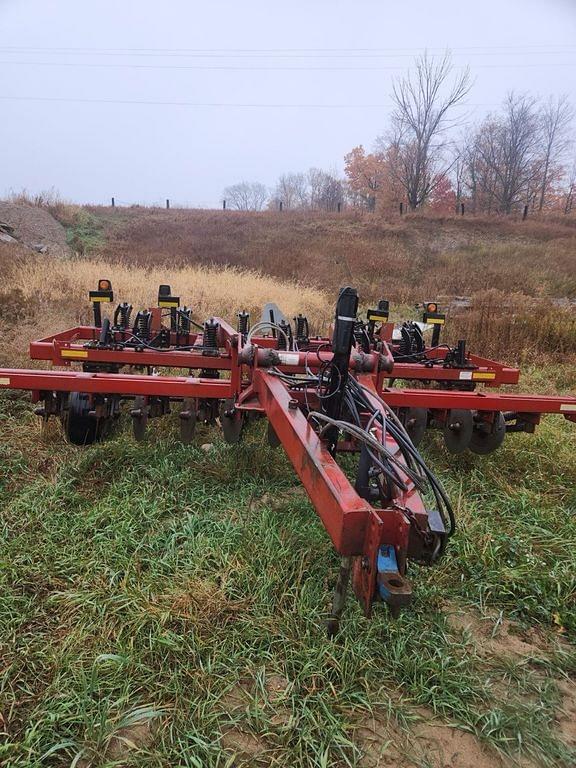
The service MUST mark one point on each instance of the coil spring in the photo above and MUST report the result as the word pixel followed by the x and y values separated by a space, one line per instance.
pixel 142 324
pixel 412 341
pixel 301 327
pixel 122 315
pixel 183 322
pixel 210 334
pixel 243 325
pixel 287 328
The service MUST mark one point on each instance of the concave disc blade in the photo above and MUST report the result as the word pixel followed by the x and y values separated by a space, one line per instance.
pixel 485 441
pixel 458 430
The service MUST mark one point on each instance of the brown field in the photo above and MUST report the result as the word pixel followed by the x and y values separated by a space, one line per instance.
pixel 519 278
pixel 406 260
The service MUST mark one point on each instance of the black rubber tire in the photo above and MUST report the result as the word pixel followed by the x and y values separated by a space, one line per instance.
pixel 81 428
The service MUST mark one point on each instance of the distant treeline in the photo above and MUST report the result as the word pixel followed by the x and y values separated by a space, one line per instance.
pixel 522 155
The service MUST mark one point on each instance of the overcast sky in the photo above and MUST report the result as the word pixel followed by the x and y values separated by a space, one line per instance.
pixel 310 80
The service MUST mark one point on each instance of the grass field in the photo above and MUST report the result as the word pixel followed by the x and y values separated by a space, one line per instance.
pixel 164 605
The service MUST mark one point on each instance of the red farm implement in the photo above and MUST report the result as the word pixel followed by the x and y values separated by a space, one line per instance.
pixel 328 401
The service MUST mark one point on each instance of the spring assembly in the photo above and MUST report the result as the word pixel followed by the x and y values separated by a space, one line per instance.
pixel 243 325
pixel 142 324
pixel 183 323
pixel 412 341
pixel 210 340
pixel 287 328
pixel 302 332
pixel 122 315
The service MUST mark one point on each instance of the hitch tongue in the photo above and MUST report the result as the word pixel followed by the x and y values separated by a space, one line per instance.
pixel 393 588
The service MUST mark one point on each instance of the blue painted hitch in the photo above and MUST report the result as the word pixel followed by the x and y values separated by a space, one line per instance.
pixel 393 588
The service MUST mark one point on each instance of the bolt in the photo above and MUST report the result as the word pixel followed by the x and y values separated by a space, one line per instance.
pixel 292 404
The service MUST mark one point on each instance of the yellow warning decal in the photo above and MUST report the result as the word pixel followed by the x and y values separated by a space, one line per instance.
pixel 563 407
pixel 435 321
pixel 74 353
pixel 479 376
pixel 168 304
pixel 378 318
pixel 100 299
pixel 4 381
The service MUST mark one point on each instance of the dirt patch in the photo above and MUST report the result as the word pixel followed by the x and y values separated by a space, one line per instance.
pixel 567 712
pixel 34 226
pixel 133 737
pixel 244 745
pixel 237 699
pixel 447 747
pixel 122 743
pixel 495 636
pixel 429 743
pixel 381 743
pixel 277 687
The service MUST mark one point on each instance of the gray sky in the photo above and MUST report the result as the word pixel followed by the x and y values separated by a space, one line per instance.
pixel 237 53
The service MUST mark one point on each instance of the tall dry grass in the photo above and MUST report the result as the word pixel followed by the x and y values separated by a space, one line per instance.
pixel 515 328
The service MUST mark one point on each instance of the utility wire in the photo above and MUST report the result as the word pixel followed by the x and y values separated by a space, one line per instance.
pixel 256 68
pixel 540 49
pixel 81 100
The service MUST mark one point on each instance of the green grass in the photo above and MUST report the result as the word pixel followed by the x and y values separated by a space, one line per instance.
pixel 84 232
pixel 157 582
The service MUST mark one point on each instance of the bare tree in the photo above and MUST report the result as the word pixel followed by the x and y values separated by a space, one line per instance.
pixel 325 190
pixel 420 120
pixel 292 191
pixel 508 148
pixel 246 196
pixel 557 116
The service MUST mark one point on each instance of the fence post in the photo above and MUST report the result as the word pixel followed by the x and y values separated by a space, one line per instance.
pixel 339 207
pixel 461 209
pixel 401 208
pixel 167 204
pixel 525 213
pixel 113 203
pixel 223 205
pixel 280 205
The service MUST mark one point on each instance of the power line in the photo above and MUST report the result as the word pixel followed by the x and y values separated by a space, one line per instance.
pixel 529 49
pixel 150 102
pixel 232 105
pixel 237 68
pixel 285 56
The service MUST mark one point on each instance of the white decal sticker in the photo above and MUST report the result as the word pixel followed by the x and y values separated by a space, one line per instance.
pixel 289 358
pixel 465 375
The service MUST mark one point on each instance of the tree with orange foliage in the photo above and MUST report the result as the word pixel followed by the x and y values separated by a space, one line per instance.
pixel 373 178
pixel 443 197
pixel 365 173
